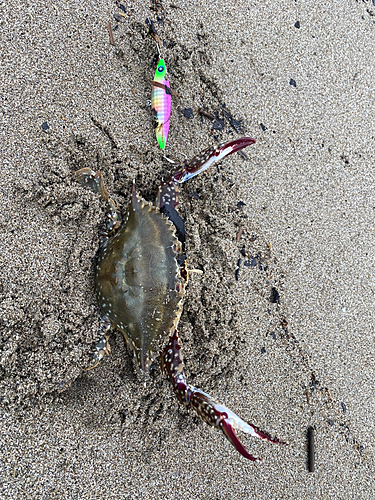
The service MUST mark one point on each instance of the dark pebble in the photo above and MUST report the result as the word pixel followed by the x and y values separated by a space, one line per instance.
pixel 292 82
pixel 343 407
pixel 254 262
pixel 122 7
pixel 314 383
pixel 241 204
pixel 119 18
pixel 275 296
pixel 331 422
pixel 263 350
pixel 263 127
pixel 188 113
pixel 297 24
pixel 218 124
pixel 45 126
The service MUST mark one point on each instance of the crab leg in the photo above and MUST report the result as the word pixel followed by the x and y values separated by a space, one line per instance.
pixel 213 413
pixel 94 181
pixel 167 193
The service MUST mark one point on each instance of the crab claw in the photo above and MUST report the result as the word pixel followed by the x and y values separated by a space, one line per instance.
pixel 219 416
pixel 203 160
pixel 168 192
pixel 213 413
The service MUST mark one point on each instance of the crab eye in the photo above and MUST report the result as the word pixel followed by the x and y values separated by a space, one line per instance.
pixel 160 69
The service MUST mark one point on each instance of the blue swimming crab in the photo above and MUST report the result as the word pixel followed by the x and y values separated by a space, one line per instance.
pixel 140 283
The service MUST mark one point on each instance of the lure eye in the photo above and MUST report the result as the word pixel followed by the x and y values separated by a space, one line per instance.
pixel 160 69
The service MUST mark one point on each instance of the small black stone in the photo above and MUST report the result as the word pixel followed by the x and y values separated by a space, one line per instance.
pixel 263 127
pixel 331 422
pixel 292 82
pixel 119 18
pixel 218 124
pixel 45 126
pixel 297 24
pixel 275 296
pixel 240 204
pixel 343 407
pixel 188 113
pixel 254 261
pixel 263 350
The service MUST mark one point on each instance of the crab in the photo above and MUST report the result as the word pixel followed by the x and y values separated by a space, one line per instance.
pixel 140 283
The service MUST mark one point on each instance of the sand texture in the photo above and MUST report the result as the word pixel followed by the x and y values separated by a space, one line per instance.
pixel 280 325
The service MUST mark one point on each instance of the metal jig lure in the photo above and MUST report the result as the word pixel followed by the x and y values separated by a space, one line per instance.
pixel 161 91
pixel 161 103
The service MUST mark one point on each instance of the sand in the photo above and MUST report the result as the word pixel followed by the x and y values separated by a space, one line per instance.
pixel 280 325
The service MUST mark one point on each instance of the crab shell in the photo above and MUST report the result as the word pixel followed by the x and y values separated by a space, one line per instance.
pixel 139 282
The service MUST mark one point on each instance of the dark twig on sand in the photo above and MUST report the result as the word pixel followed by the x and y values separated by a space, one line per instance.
pixel 311 448
pixel 111 39
pixel 204 113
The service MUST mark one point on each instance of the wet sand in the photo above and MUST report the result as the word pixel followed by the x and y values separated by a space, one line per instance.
pixel 280 325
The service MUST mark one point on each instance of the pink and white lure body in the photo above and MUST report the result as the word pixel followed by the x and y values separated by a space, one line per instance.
pixel 161 104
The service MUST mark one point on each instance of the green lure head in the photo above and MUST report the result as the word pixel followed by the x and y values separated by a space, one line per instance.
pixel 161 71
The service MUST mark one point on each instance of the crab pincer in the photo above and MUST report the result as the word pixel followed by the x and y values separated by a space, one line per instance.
pixel 213 413
pixel 168 192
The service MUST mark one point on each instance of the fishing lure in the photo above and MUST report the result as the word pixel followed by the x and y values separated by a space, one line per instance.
pixel 161 103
